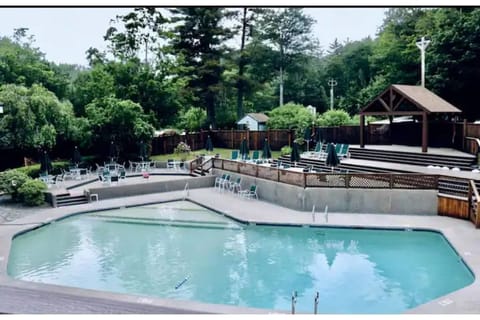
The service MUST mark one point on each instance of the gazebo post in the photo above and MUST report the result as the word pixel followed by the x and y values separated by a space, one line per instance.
pixel 424 132
pixel 362 126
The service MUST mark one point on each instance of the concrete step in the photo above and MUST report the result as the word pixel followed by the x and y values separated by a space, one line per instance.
pixel 69 200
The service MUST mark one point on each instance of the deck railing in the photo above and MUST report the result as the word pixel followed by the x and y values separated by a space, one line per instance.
pixel 473 203
pixel 331 180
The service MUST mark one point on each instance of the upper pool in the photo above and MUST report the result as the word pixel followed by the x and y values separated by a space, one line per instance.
pixel 182 251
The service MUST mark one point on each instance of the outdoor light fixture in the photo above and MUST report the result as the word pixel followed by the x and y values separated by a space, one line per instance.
pixel 1 108
pixel 332 83
pixel 422 44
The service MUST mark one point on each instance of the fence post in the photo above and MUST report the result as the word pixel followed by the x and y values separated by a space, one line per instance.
pixel 304 180
pixel 391 181
pixel 464 134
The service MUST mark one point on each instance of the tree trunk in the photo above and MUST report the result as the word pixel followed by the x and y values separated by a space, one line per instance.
pixel 241 67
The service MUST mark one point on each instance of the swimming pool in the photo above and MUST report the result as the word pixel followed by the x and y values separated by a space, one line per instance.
pixel 182 251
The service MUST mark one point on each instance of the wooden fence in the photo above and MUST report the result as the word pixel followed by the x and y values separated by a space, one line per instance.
pixel 333 180
pixel 441 134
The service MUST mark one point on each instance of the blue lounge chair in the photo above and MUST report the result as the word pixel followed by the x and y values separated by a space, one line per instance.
pixel 234 155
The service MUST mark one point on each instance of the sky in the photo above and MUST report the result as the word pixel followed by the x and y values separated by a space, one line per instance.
pixel 64 34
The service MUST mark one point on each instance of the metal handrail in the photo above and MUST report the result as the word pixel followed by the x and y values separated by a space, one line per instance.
pixel 474 206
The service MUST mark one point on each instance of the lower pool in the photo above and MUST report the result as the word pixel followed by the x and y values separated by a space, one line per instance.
pixel 180 250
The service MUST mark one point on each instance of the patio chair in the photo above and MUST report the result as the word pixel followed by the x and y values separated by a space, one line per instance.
pixel 170 164
pixel 250 193
pixel 123 175
pixel 234 155
pixel 338 148
pixel 255 155
pixel 66 174
pixel 344 151
pixel 218 180
pixel 225 183
pixel 235 185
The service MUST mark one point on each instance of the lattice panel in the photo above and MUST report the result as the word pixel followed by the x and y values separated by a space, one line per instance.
pixel 291 177
pixel 247 168
pixel 369 181
pixel 316 180
pixel 217 163
pixel 414 181
pixel 230 165
pixel 268 173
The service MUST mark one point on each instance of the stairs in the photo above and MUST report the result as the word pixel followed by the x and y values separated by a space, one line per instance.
pixel 67 199
pixel 420 159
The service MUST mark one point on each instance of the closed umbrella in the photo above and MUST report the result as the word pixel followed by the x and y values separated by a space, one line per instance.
pixel 332 158
pixel 307 136
pixel 77 157
pixel 142 151
pixel 266 152
pixel 209 144
pixel 295 155
pixel 244 148
pixel 45 163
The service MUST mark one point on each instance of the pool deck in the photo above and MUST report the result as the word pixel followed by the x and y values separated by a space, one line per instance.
pixel 44 298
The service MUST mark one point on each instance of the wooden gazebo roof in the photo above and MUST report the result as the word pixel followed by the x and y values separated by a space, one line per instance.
pixel 399 99
pixel 405 100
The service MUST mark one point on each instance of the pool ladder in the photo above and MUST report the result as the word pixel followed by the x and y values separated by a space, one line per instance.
pixel 315 303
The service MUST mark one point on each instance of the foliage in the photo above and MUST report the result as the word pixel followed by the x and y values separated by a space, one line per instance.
pixel 11 181
pixel 122 121
pixel 33 171
pixel 290 116
pixel 34 117
pixel 285 150
pixel 198 38
pixel 193 119
pixel 31 192
pixel 182 149
pixel 333 118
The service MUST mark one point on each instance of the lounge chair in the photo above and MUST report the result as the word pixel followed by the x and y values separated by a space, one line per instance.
pixel 344 151
pixel 123 175
pixel 234 155
pixel 338 148
pixel 170 164
pixel 250 193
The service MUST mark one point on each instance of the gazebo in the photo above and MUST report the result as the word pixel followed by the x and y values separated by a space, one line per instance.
pixel 406 100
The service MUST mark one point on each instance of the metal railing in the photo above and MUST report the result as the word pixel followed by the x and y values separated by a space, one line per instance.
pixel 473 203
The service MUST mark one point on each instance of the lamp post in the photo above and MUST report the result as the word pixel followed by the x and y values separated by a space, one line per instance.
pixel 422 44
pixel 332 83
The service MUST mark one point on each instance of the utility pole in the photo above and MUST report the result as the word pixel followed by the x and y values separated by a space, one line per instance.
pixel 332 83
pixel 422 44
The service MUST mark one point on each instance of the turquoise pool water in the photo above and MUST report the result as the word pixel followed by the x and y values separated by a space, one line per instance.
pixel 182 251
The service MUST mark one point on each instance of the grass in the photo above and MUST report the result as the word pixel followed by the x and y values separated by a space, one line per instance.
pixel 224 153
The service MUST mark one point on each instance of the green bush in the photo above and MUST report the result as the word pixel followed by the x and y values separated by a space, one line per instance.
pixel 31 192
pixel 333 118
pixel 33 171
pixel 286 150
pixel 11 181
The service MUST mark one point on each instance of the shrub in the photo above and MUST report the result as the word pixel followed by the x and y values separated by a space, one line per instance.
pixel 286 150
pixel 31 192
pixel 33 171
pixel 11 181
pixel 182 149
pixel 333 118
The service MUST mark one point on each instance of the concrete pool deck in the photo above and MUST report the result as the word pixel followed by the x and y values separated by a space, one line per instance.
pixel 44 298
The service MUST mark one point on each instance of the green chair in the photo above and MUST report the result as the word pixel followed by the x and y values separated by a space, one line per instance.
pixel 234 155
pixel 344 151
pixel 255 155
pixel 250 193
pixel 338 148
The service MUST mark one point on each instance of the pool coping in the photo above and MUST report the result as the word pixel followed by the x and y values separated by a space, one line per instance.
pixel 459 233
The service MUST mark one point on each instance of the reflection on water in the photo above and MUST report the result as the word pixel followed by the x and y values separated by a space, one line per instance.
pixel 203 256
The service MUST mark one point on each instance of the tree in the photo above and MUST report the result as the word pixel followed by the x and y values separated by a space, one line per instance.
pixel 199 35
pixel 33 118
pixel 122 121
pixel 193 119
pixel 142 29
pixel 290 116
pixel 288 30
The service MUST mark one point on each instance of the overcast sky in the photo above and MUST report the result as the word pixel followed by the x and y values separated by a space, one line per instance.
pixel 64 34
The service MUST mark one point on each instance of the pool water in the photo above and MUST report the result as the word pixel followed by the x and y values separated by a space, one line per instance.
pixel 182 251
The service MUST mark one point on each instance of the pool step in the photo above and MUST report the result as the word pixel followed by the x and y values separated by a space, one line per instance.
pixel 69 200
